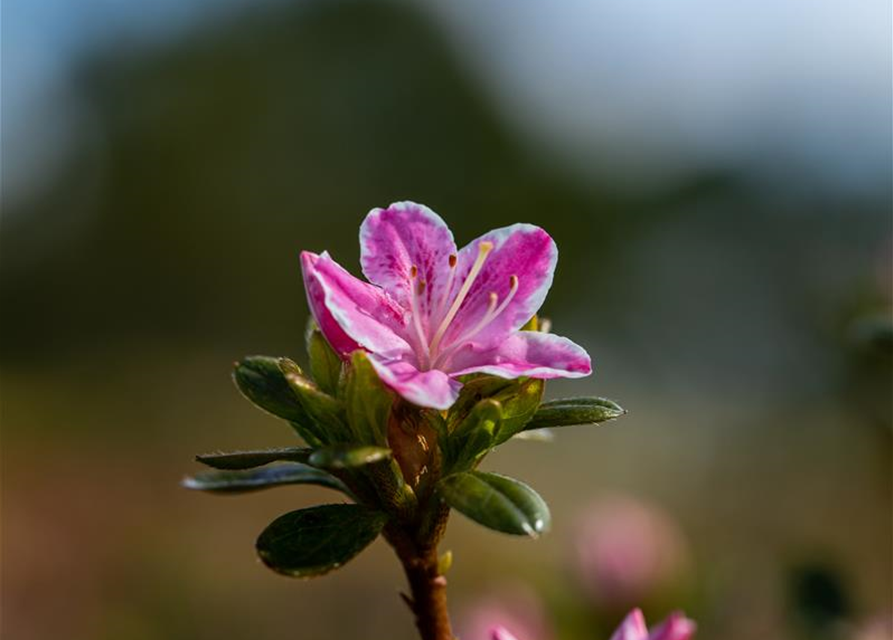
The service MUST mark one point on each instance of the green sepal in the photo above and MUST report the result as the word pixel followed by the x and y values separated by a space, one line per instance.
pixel 249 459
pixel 325 411
pixel 311 542
pixel 367 402
pixel 262 478
pixel 347 457
pixel 325 364
pixel 574 411
pixel 496 502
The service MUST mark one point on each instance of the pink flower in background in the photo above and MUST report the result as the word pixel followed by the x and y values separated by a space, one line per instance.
pixel 625 551
pixel 433 312
pixel 675 627
pixel 516 612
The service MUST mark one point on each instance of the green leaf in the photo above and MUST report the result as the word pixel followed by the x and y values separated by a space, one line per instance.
pixel 574 411
pixel 497 502
pixel 324 410
pixel 263 478
pixel 251 459
pixel 260 379
pixel 367 402
pixel 312 542
pixel 347 457
pixel 325 364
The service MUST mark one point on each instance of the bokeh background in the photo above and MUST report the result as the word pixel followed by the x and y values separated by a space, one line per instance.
pixel 717 177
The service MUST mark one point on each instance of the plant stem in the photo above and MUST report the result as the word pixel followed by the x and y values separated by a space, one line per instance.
pixel 427 585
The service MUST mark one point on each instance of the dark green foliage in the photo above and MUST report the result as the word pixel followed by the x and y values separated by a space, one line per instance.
pixel 262 478
pixel 497 502
pixel 314 541
pixel 251 459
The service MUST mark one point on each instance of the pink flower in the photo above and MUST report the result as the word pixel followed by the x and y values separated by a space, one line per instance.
pixel 626 551
pixel 433 313
pixel 675 627
pixel 501 633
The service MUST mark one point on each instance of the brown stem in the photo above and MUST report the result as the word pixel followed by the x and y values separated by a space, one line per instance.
pixel 428 600
pixel 427 585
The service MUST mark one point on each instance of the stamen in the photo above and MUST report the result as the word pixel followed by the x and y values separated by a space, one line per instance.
pixel 489 316
pixel 416 290
pixel 441 304
pixel 484 248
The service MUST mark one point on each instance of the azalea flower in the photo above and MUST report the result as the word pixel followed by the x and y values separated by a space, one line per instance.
pixel 431 313
pixel 676 627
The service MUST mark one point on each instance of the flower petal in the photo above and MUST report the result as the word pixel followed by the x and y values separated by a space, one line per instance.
pixel 632 628
pixel 432 388
pixel 524 353
pixel 403 236
pixel 501 633
pixel 675 627
pixel 521 250
pixel 340 341
pixel 364 312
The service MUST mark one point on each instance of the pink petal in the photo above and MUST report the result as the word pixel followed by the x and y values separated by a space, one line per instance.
pixel 524 353
pixel 340 341
pixel 403 236
pixel 675 627
pixel 632 628
pixel 501 633
pixel 521 250
pixel 432 388
pixel 364 312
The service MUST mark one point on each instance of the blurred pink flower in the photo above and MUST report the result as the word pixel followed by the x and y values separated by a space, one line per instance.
pixel 675 627
pixel 880 628
pixel 432 313
pixel 516 613
pixel 625 551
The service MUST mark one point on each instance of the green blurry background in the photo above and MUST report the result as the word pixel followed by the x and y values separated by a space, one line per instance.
pixel 718 182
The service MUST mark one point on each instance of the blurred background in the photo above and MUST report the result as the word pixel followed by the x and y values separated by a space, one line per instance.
pixel 717 177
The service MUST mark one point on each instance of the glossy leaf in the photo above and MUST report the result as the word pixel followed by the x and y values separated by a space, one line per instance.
pixel 312 542
pixel 260 379
pixel 497 502
pixel 251 459
pixel 262 478
pixel 347 457
pixel 574 411
pixel 325 364
pixel 367 402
